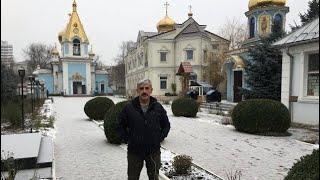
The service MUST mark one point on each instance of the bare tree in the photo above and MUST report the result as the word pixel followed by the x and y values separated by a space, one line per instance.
pixel 38 54
pixel 213 73
pixel 118 71
pixel 235 31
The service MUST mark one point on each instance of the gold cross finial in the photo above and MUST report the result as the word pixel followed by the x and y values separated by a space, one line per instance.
pixel 166 4
pixel 190 12
pixel 74 5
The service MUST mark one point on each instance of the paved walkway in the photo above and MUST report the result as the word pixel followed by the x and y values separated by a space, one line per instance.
pixel 81 150
pixel 221 149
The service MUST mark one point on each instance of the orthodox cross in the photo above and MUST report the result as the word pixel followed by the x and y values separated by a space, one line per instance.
pixel 166 4
pixel 190 8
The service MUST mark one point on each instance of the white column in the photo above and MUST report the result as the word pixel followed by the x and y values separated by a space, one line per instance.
pixel 88 77
pixel 65 78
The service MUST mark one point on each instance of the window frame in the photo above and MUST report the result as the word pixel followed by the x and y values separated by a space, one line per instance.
pixel 189 50
pixel 307 73
pixel 163 79
pixel 76 45
pixel 165 56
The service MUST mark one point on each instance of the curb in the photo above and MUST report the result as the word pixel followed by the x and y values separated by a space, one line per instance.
pixel 161 174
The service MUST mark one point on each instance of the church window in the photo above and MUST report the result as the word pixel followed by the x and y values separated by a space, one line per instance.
pixel 163 82
pixel 252 25
pixel 163 56
pixel 189 54
pixel 76 47
pixel 313 75
pixel 277 23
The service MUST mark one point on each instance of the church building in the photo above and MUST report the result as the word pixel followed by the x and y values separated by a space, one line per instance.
pixel 158 55
pixel 262 15
pixel 73 71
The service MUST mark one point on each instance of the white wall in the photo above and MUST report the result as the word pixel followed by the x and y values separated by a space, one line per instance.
pixel 306 110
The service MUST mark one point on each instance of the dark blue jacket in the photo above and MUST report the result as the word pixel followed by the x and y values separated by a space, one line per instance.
pixel 143 131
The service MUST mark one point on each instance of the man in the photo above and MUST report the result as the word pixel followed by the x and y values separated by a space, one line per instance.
pixel 143 123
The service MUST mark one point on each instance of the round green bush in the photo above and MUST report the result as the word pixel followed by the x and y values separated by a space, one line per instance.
pixel 97 107
pixel 261 116
pixel 110 122
pixel 306 168
pixel 185 107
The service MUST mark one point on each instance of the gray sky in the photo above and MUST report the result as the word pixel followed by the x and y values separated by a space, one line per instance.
pixel 108 23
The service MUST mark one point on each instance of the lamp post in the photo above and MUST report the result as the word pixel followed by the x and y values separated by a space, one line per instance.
pixel 31 79
pixel 37 84
pixel 22 73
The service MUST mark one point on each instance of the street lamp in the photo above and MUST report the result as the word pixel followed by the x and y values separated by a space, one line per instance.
pixel 32 79
pixel 22 73
pixel 37 84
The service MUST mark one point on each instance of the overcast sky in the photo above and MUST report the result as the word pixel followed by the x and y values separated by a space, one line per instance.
pixel 108 23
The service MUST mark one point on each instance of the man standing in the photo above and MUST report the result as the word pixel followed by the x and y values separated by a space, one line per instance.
pixel 143 124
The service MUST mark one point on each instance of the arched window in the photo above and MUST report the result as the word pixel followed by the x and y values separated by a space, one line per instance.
pixel 277 23
pixel 76 47
pixel 252 25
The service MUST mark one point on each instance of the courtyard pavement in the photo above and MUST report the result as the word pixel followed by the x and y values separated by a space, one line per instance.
pixel 81 150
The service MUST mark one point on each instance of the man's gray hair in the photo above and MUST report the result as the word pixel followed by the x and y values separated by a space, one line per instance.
pixel 144 82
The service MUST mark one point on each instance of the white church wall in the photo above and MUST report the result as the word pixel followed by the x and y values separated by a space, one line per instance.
pixel 309 104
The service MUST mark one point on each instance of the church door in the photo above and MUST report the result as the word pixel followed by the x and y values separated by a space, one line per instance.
pixel 102 88
pixel 76 89
pixel 237 84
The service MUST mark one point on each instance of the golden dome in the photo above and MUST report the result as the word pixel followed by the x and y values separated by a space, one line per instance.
pixel 258 3
pixel 61 35
pixel 165 24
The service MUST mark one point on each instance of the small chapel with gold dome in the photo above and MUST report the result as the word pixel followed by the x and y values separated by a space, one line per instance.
pixel 73 69
pixel 158 55
pixel 264 17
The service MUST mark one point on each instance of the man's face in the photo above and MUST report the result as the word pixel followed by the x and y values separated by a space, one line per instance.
pixel 144 91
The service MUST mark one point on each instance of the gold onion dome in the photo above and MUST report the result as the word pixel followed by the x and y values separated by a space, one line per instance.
pixel 61 35
pixel 165 24
pixel 259 3
pixel 55 51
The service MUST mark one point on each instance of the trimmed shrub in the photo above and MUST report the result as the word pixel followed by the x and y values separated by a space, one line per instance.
pixel 182 164
pixel 97 107
pixel 261 116
pixel 110 122
pixel 306 168
pixel 11 112
pixel 186 107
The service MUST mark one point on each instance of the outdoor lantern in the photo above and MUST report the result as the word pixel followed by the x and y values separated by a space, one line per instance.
pixel 22 72
pixel 32 79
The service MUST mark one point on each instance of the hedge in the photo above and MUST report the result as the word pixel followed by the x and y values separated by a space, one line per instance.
pixel 186 107
pixel 96 108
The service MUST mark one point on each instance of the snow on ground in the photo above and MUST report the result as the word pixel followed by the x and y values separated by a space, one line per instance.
pixel 221 149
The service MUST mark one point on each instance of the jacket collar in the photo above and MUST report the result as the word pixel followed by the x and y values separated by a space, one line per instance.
pixel 136 102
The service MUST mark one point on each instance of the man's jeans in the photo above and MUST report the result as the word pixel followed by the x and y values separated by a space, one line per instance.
pixel 135 164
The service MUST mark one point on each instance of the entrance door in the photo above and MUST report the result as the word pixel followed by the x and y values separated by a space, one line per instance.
pixel 102 88
pixel 237 84
pixel 76 89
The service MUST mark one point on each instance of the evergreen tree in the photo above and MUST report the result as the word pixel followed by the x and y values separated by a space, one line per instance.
pixel 9 81
pixel 312 12
pixel 263 69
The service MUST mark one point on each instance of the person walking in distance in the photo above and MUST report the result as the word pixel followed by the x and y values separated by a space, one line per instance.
pixel 143 124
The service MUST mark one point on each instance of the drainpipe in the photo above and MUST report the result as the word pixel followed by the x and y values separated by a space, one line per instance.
pixel 290 81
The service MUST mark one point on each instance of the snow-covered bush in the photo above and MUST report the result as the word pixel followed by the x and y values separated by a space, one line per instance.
pixel 182 164
pixel 96 108
pixel 110 122
pixel 186 107
pixel 306 168
pixel 261 116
